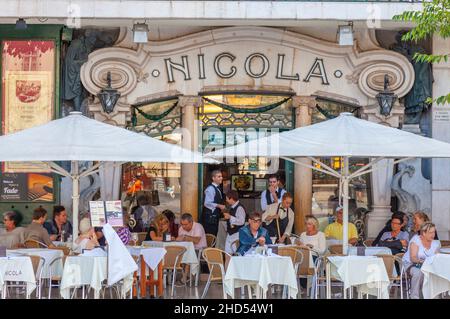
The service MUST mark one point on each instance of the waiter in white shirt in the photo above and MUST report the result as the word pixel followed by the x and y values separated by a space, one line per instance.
pixel 214 204
pixel 273 194
pixel 279 218
pixel 235 220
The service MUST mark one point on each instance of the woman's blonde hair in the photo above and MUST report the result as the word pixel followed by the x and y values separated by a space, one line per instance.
pixel 422 216
pixel 157 221
pixel 311 218
pixel 426 227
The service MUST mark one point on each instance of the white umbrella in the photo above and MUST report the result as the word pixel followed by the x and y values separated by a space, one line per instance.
pixel 344 136
pixel 77 138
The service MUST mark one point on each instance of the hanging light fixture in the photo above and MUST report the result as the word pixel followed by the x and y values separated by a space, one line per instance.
pixel 386 98
pixel 21 24
pixel 108 96
pixel 345 34
pixel 140 33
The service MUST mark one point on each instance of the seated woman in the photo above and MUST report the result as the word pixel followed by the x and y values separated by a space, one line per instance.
pixel 420 247
pixel 173 227
pixel 396 234
pixel 87 239
pixel 253 234
pixel 419 218
pixel 159 228
pixel 312 237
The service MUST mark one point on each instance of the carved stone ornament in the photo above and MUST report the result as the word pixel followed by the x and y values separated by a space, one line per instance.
pixel 271 57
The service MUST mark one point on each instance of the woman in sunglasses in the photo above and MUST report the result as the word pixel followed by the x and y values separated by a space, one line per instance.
pixel 253 234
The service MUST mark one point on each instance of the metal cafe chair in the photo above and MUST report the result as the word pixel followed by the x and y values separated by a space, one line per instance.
pixel 217 260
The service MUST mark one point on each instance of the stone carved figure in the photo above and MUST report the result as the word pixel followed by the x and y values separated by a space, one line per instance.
pixel 87 194
pixel 407 202
pixel 415 103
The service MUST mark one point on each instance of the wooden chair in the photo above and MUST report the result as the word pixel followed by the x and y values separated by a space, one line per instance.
pixel 31 243
pixel 445 243
pixel 211 240
pixel 217 261
pixel 368 242
pixel 296 256
pixel 172 262
pixel 335 249
pixel 304 270
pixel 38 266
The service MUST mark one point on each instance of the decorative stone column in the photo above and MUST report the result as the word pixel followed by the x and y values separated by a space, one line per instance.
pixel 440 171
pixel 302 176
pixel 381 177
pixel 189 172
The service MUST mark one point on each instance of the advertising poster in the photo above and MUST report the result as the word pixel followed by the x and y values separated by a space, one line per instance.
pixel 114 215
pixel 27 92
pixel 97 213
pixel 20 187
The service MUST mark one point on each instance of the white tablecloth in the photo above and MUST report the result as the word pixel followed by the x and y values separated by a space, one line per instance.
pixel 48 254
pixel 189 257
pixel 18 269
pixel 260 270
pixel 445 250
pixel 436 271
pixel 152 256
pixel 370 251
pixel 367 273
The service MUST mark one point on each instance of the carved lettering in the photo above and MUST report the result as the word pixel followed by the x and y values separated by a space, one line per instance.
pixel 217 69
pixel 318 64
pixel 183 68
pixel 265 65
pixel 280 66
pixel 201 67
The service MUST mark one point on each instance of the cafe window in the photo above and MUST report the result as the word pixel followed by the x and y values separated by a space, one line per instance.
pixel 326 187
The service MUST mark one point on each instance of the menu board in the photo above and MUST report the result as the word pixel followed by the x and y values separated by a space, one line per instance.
pixel 97 213
pixel 103 212
pixel 114 214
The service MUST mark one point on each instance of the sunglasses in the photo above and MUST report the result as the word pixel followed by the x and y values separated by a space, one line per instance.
pixel 256 220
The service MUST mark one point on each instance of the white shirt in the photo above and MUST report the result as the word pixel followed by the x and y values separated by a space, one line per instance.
pixel 264 200
pixel 272 210
pixel 210 193
pixel 317 241
pixel 423 252
pixel 239 219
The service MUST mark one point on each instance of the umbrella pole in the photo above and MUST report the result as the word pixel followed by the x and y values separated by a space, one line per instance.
pixel 345 194
pixel 75 198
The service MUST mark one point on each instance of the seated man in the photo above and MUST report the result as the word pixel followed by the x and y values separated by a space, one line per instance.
pixel 336 229
pixel 59 226
pixel 253 234
pixel 14 234
pixel 191 231
pixel 35 231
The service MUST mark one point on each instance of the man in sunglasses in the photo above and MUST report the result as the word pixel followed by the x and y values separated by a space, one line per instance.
pixel 253 234
pixel 273 194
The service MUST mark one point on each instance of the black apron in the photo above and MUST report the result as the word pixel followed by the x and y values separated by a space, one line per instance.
pixel 233 230
pixel 272 227
pixel 210 219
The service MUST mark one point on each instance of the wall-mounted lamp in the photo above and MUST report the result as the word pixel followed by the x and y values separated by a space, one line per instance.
pixel 140 33
pixel 386 98
pixel 345 34
pixel 108 96
pixel 21 24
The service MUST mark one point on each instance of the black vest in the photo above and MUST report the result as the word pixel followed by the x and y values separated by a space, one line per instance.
pixel 212 217
pixel 272 227
pixel 235 228
pixel 269 199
